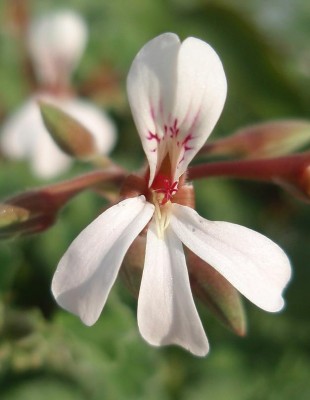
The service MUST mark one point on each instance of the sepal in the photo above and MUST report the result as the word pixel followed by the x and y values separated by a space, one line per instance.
pixel 215 292
pixel 70 135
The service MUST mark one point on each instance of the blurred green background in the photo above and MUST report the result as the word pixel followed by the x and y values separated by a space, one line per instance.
pixel 48 353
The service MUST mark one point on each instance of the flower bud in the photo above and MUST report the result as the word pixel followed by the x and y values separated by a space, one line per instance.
pixel 10 214
pixel 269 139
pixel 70 135
pixel 214 291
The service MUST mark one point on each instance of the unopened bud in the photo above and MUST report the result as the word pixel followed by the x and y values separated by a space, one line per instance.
pixel 214 291
pixel 269 139
pixel 302 183
pixel 10 215
pixel 70 135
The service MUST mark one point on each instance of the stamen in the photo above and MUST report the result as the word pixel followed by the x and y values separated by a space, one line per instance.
pixel 162 214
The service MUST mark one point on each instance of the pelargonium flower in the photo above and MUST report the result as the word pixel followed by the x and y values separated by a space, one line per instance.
pixel 176 92
pixel 55 42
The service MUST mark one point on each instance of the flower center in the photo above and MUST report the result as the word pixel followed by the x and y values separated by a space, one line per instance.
pixel 164 188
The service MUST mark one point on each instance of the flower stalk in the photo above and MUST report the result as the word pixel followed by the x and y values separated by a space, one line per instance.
pixel 36 210
pixel 290 172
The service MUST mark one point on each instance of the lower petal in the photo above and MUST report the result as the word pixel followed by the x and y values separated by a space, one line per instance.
pixel 251 262
pixel 166 310
pixel 88 269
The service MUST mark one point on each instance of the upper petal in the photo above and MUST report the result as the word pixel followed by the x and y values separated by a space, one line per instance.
pixel 56 42
pixel 199 99
pixel 251 262
pixel 151 84
pixel 166 310
pixel 176 93
pixel 88 269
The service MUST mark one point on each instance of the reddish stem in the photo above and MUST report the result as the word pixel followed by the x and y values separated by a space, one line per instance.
pixel 60 193
pixel 39 207
pixel 267 169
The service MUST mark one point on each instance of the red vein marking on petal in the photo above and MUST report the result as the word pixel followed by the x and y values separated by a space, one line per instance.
pixel 153 136
pixel 165 129
pixel 185 142
pixel 186 147
pixel 174 129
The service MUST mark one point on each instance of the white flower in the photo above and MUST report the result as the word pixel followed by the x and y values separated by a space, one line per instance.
pixel 176 92
pixel 24 136
pixel 56 42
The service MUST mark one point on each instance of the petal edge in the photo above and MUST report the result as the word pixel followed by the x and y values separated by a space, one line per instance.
pixel 251 262
pixel 87 271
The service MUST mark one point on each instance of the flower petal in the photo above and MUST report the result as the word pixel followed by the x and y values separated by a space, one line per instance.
pixel 166 310
pixel 56 42
pixel 199 99
pixel 88 269
pixel 251 262
pixel 176 93
pixel 150 86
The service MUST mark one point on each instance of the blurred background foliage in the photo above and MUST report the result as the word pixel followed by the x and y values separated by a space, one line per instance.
pixel 46 352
